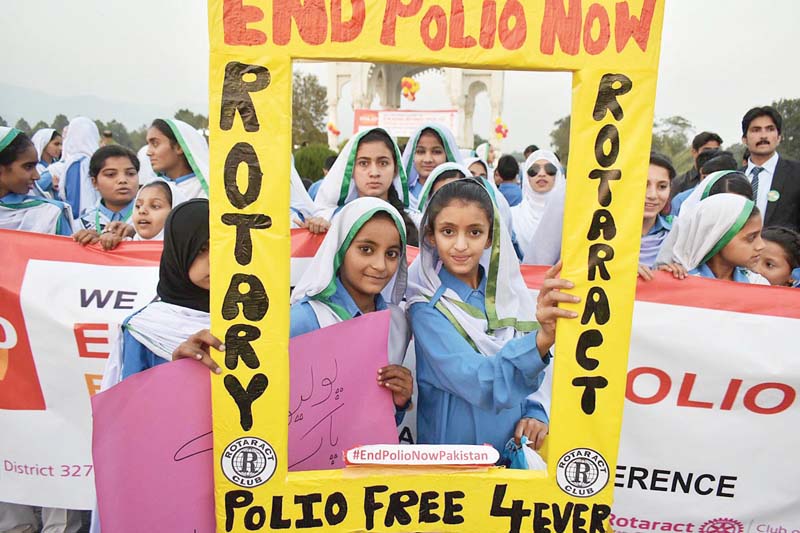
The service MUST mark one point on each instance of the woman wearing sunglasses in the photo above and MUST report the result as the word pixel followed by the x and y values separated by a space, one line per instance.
pixel 543 183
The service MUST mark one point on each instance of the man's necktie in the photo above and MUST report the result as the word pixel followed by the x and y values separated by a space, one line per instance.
pixel 754 180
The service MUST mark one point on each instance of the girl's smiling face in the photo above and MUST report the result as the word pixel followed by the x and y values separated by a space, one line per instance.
pixel 371 260
pixel 150 211
pixel 374 169
pixel 657 194
pixel 461 232
pixel 428 154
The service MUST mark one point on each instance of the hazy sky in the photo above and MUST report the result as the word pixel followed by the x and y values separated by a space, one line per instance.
pixel 719 57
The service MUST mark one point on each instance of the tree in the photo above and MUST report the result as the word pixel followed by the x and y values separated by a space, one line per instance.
pixel 309 110
pixel 559 138
pixel 790 130
pixel 40 126
pixel 3 122
pixel 23 126
pixel 120 134
pixel 59 123
pixel 671 138
pixel 197 121
pixel 138 138
pixel 308 160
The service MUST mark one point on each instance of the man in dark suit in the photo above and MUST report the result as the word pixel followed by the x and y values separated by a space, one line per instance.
pixel 775 180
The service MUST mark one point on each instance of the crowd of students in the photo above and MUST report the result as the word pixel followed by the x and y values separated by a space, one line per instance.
pixel 482 341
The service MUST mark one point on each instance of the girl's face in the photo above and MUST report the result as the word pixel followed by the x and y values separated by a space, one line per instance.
pixel 150 211
pixel 117 182
pixel 372 258
pixel 745 248
pixel 544 175
pixel 164 158
pixel 461 234
pixel 20 175
pixel 199 270
pixel 53 148
pixel 774 265
pixel 478 170
pixel 374 170
pixel 429 154
pixel 657 194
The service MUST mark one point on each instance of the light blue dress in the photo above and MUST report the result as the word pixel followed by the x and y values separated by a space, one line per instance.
pixel 704 271
pixel 466 397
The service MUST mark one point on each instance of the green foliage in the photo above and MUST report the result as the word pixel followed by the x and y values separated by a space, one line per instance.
pixel 3 122
pixel 790 131
pixel 197 121
pixel 737 149
pixel 138 138
pixel 477 140
pixel 309 159
pixel 309 110
pixel 671 138
pixel 40 126
pixel 23 126
pixel 59 123
pixel 559 138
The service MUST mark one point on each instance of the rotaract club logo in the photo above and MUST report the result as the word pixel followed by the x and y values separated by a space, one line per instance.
pixel 722 525
pixel 582 472
pixel 248 462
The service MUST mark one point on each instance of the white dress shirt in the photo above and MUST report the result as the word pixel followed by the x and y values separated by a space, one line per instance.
pixel 764 181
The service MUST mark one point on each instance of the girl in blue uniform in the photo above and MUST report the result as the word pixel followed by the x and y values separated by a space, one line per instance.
pixel 429 147
pixel 721 239
pixel 472 317
pixel 363 254
pixel 19 209
pixel 179 154
pixel 368 166
pixel 780 260
pixel 151 335
pixel 656 223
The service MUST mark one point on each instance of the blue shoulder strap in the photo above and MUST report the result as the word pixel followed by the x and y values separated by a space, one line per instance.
pixel 73 187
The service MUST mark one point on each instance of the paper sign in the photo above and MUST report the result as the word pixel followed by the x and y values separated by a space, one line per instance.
pixel 152 432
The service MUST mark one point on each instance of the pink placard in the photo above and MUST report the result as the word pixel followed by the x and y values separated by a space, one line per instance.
pixel 152 433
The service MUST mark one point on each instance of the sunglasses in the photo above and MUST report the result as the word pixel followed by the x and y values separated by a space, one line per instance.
pixel 549 169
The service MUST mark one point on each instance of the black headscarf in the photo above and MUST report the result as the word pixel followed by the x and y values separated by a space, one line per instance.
pixel 185 234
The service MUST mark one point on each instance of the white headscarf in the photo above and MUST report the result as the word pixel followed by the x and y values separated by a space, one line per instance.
pixel 529 213
pixel 709 227
pixel 41 139
pixel 81 141
pixel 177 198
pixel 318 283
pixel 300 199
pixel 510 308
pixel 450 148
pixel 338 187
pixel 146 172
pixel 195 149
pixel 699 193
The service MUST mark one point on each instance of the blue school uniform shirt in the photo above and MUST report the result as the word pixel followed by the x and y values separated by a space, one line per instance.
pixel 678 200
pixel 302 320
pixel 416 190
pixel 99 216
pixel 136 357
pixel 466 397
pixel 512 192
pixel 312 191
pixel 64 226
pixel 704 271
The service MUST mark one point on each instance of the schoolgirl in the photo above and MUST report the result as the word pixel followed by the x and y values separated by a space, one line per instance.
pixel 368 165
pixel 151 335
pixel 780 259
pixel 721 239
pixel 114 171
pixel 472 317
pixel 363 254
pixel 656 223
pixel 544 183
pixel 179 153
pixel 70 176
pixel 429 147
pixel 19 209
pixel 725 181
pixel 48 145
